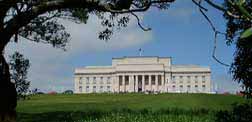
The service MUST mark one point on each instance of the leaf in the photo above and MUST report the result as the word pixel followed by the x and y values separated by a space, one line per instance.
pixel 246 33
pixel 243 10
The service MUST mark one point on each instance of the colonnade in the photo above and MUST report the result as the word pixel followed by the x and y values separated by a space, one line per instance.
pixel 139 83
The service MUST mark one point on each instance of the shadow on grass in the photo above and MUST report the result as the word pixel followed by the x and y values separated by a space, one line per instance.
pixel 238 113
pixel 79 116
pixel 59 116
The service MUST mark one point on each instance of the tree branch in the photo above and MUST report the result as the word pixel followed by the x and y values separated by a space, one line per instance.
pixel 216 32
pixel 199 5
pixel 139 24
pixel 24 18
pixel 221 8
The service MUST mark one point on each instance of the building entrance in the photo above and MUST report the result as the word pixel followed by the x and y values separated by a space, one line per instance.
pixel 140 83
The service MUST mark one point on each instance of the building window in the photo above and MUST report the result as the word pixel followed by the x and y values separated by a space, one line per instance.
pixel 140 78
pixel 180 87
pixel 203 87
pixel 146 80
pixel 120 80
pixel 126 80
pixel 159 80
pixel 101 80
pixel 94 89
pixel 80 80
pixel 153 80
pixel 196 86
pixel 94 82
pixel 101 88
pixel 203 79
pixel 87 88
pixel 173 87
pixel 188 88
pixel 108 88
pixel 80 88
pixel 188 79
pixel 108 80
pixel 173 79
pixel 196 79
pixel 87 80
pixel 180 79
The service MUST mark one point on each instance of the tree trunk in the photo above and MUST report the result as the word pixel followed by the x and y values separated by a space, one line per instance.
pixel 8 94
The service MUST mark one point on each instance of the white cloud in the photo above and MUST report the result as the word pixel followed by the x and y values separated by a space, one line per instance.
pixel 49 69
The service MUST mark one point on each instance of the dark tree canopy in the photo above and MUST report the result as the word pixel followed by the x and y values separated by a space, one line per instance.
pixel 38 21
pixel 239 32
pixel 238 16
pixel 19 69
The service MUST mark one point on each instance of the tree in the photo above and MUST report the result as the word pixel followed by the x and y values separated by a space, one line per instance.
pixel 37 21
pixel 239 31
pixel 238 14
pixel 19 69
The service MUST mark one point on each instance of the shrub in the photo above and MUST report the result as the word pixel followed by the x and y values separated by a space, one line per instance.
pixel 238 113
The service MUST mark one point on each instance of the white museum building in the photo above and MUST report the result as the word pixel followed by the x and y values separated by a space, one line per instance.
pixel 149 74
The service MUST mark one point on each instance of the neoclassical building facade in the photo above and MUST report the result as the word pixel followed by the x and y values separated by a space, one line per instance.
pixel 143 74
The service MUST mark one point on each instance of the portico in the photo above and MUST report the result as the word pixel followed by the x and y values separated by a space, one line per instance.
pixel 140 82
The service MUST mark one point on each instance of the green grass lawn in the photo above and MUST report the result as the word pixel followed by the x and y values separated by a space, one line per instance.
pixel 124 107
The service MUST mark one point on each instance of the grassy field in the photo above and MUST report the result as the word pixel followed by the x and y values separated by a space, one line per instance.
pixel 124 107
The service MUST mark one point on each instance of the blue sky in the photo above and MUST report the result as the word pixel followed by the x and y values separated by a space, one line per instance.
pixel 180 32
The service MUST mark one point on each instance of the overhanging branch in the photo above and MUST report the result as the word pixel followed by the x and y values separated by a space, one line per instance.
pixel 216 33
pixel 221 8
pixel 139 24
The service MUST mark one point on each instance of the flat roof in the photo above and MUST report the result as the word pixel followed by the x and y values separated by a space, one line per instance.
pixel 140 57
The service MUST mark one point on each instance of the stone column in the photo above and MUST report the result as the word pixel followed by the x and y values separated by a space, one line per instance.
pixel 123 83
pixel 136 87
pixel 156 82
pixel 131 83
pixel 149 83
pixel 162 83
pixel 143 83
pixel 134 83
pixel 117 84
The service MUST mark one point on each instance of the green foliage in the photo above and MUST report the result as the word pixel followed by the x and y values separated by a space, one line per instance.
pixel 119 116
pixel 110 102
pixel 241 68
pixel 239 113
pixel 19 69
pixel 68 92
pixel 242 9
pixel 80 14
pixel 124 107
pixel 46 29
pixel 239 32
pixel 247 33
